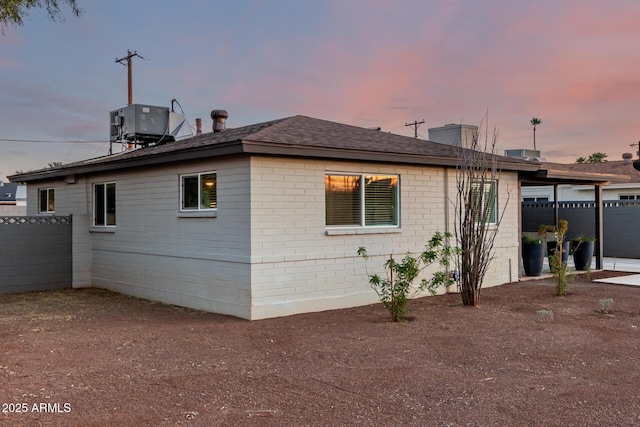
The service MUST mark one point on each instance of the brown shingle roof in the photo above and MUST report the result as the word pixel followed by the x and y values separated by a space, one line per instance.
pixel 611 168
pixel 292 136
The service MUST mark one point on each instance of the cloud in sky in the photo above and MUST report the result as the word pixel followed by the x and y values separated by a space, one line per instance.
pixel 368 63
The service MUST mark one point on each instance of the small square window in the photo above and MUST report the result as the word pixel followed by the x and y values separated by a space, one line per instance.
pixel 199 192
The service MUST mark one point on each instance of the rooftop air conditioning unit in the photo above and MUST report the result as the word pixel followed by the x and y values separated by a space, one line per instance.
pixel 522 153
pixel 142 124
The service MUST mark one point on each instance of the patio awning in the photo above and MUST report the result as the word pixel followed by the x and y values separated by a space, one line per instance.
pixel 557 174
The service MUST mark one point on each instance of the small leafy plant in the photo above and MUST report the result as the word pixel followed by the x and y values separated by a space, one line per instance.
pixel 395 290
pixel 557 266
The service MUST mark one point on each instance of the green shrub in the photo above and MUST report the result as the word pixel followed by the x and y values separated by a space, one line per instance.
pixel 557 266
pixel 395 290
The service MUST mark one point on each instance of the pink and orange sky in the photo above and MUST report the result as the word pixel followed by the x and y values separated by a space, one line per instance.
pixel 573 64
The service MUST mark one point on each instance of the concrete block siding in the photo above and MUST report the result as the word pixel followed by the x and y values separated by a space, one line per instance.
pixel 157 252
pixel 297 266
pixel 266 252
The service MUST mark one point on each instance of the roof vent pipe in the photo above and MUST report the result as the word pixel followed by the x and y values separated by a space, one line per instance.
pixel 198 126
pixel 219 120
pixel 626 158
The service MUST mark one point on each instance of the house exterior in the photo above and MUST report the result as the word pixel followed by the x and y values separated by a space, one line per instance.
pixel 264 220
pixel 13 199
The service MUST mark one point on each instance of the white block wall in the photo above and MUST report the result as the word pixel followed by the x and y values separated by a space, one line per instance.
pixel 268 252
pixel 297 266
pixel 154 251
pixel 12 210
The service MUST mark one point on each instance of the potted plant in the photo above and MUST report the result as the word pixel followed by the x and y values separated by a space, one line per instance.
pixel 583 252
pixel 532 255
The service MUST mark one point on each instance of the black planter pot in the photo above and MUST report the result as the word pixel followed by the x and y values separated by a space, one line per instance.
pixel 566 247
pixel 582 254
pixel 532 258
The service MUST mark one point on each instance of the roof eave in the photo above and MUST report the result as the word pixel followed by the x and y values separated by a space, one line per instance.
pixel 286 150
pixel 127 163
pixel 256 148
pixel 560 176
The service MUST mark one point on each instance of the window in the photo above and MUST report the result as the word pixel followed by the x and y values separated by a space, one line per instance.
pixel 47 200
pixel 361 200
pixel 485 193
pixel 199 191
pixel 629 196
pixel 104 204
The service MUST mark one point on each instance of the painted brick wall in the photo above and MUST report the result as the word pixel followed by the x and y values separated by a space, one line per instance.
pixel 298 267
pixel 268 252
pixel 12 210
pixel 155 251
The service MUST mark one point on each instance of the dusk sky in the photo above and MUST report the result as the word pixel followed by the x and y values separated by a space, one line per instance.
pixel 573 64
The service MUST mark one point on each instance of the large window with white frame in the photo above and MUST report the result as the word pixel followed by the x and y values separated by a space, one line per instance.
pixel 46 203
pixel 486 193
pixel 104 204
pixel 361 200
pixel 199 191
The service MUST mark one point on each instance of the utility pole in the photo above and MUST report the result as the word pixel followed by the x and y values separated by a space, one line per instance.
pixel 415 125
pixel 129 74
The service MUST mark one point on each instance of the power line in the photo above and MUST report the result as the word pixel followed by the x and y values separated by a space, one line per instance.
pixel 95 113
pixel 37 141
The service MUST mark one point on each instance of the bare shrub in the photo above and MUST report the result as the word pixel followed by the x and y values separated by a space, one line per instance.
pixel 544 316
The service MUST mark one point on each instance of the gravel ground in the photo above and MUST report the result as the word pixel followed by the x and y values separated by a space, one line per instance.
pixel 95 358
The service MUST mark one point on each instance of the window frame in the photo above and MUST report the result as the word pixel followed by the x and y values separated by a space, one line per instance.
pixel 492 219
pixel 198 207
pixel 363 199
pixel 107 211
pixel 50 195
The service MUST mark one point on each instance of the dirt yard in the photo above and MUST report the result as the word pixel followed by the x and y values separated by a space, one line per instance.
pixel 95 358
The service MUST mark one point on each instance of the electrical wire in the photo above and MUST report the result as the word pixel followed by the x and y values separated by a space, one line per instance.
pixel 37 141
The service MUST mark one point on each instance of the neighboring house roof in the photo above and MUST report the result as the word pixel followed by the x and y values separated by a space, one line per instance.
pixel 621 172
pixel 8 192
pixel 297 136
pixel 577 173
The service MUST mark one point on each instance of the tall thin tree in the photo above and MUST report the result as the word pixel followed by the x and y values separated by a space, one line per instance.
pixel 535 122
pixel 477 218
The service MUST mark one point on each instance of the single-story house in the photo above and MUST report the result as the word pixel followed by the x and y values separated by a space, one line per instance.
pixel 13 199
pixel 265 220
